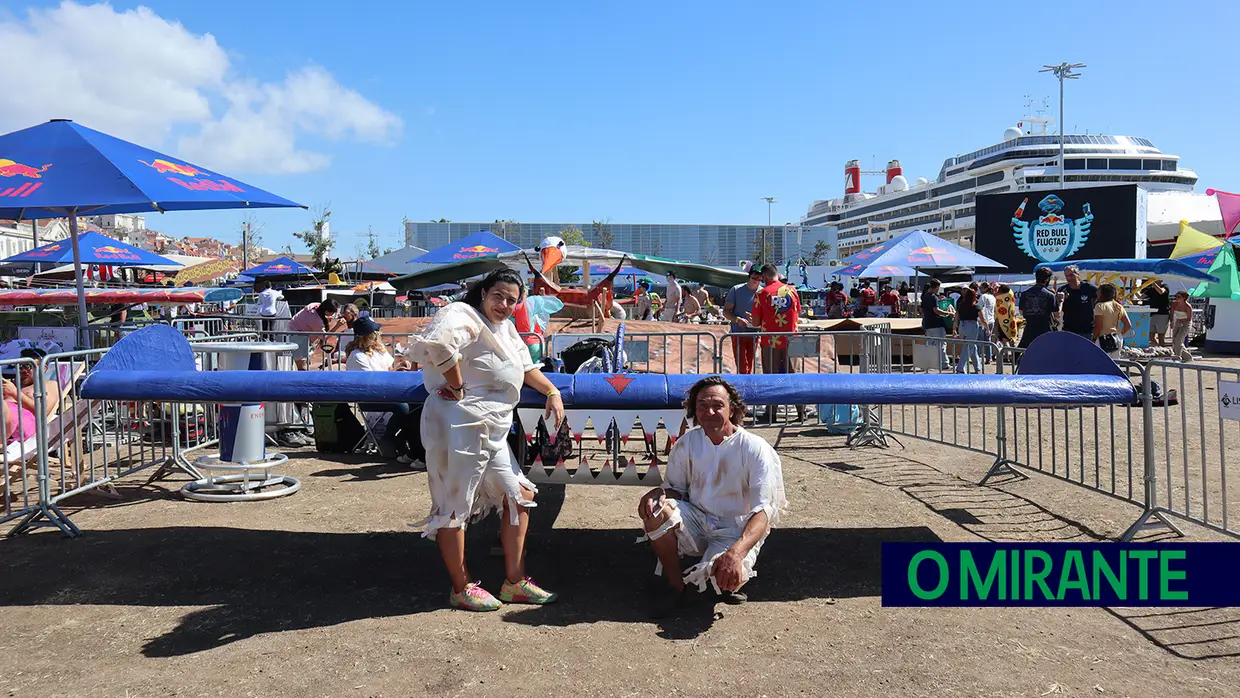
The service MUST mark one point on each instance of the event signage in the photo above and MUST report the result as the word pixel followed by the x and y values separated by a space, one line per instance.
pixel 1060 574
pixel 1229 399
pixel 1025 229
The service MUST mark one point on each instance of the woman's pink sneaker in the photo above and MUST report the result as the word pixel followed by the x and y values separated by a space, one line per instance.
pixel 526 591
pixel 474 598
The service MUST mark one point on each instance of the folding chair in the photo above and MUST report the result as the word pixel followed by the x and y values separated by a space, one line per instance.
pixel 374 419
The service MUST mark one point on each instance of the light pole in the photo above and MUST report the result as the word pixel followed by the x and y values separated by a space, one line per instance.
pixel 1063 71
pixel 769 200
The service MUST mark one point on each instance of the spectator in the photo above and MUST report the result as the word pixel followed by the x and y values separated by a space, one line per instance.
pixel 777 308
pixel 1078 303
pixel 693 306
pixel 316 317
pixel 738 308
pixel 969 312
pixel 641 301
pixel 935 320
pixel 868 297
pixel 367 352
pixel 1037 305
pixel 837 302
pixel 986 303
pixel 672 307
pixel 1181 323
pixel 348 315
pixel 267 297
pixel 1110 322
pixel 1159 300
pixel 890 298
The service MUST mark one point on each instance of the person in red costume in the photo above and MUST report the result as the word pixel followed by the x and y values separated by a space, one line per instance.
pixel 776 308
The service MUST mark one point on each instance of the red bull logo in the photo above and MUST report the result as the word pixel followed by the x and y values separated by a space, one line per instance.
pixel 199 184
pixel 475 251
pixel 12 168
pixel 9 168
pixel 46 250
pixel 280 268
pixel 114 252
pixel 165 166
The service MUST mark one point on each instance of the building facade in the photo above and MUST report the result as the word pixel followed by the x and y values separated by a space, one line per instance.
pixel 716 245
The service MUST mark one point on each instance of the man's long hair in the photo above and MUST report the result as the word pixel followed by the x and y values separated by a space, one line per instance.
pixel 734 399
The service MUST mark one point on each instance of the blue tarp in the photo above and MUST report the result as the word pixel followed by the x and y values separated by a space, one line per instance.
pixel 480 244
pixel 1162 268
pixel 96 248
pixel 918 250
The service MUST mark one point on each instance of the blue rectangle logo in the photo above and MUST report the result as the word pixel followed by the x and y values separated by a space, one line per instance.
pixel 1061 574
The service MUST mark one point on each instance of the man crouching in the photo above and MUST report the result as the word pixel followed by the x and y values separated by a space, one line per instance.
pixel 722 492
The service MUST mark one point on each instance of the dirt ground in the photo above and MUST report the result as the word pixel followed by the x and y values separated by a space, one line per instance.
pixel 329 592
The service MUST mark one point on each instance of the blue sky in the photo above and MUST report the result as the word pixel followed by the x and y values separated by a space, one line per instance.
pixel 684 112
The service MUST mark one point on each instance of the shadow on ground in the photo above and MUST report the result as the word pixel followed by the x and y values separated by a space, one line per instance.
pixel 796 564
pixel 253 581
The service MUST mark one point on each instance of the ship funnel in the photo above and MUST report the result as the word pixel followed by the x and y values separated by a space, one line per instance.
pixel 852 177
pixel 893 170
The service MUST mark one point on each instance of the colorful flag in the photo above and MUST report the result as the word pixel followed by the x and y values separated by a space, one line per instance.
pixel 1191 242
pixel 1229 206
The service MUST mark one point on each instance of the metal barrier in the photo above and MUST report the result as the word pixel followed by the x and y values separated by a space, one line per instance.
pixel 971 428
pixel 1165 455
pixel 1185 453
pixel 1052 441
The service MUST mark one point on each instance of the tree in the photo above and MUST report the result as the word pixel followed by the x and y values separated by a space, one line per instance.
pixel 818 257
pixel 318 239
pixel 252 234
pixel 764 248
pixel 602 233
pixel 441 220
pixel 572 235
pixel 372 247
pixel 507 229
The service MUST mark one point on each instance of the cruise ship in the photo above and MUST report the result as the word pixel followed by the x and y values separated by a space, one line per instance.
pixel 1022 161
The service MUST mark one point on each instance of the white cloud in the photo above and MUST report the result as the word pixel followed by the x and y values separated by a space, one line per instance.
pixel 141 77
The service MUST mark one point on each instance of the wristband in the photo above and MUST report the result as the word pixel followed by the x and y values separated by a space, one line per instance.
pixel 553 392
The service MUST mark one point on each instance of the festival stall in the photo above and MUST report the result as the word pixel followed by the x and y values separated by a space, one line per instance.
pixel 1131 277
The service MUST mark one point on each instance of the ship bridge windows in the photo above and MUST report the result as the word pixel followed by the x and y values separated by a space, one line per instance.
pixel 953 188
pixel 990 178
pixel 1125 164
pixel 1096 163
pixel 1151 164
pixel 1074 164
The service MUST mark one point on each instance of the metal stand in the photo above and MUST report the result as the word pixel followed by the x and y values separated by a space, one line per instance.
pixel 249 481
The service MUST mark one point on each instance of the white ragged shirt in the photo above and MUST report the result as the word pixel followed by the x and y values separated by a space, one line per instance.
pixel 731 481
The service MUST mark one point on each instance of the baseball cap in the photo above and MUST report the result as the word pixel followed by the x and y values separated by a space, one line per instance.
pixel 364 325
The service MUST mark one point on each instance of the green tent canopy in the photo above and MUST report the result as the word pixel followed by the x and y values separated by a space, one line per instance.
pixel 1224 267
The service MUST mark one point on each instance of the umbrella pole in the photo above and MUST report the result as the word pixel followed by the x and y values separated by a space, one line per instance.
pixel 84 336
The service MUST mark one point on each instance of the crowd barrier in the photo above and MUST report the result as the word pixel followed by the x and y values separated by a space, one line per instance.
pixel 1165 453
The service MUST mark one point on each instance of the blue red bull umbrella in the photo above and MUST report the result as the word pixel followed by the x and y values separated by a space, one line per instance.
pixel 94 248
pixel 478 245
pixel 279 266
pixel 62 169
pixel 913 251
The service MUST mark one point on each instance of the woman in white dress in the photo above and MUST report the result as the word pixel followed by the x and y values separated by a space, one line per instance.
pixel 475 365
